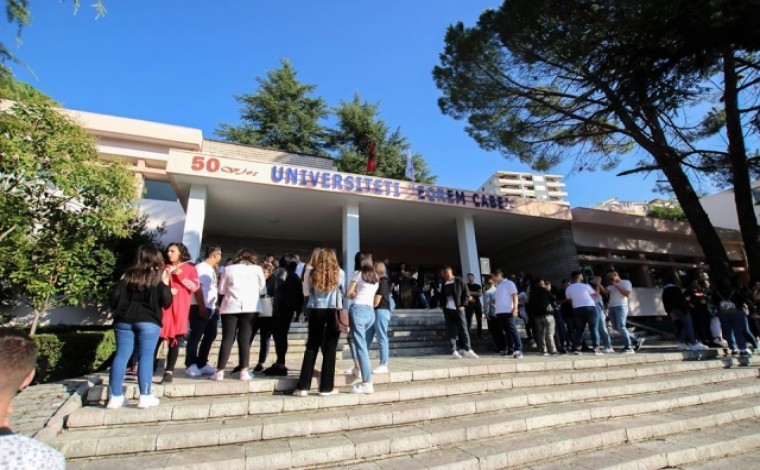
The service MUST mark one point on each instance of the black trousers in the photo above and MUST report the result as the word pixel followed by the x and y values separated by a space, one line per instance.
pixel 280 329
pixel 232 323
pixel 497 334
pixel 203 331
pixel 172 353
pixel 475 308
pixel 262 326
pixel 322 336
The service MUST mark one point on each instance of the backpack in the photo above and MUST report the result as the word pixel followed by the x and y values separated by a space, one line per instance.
pixel 725 306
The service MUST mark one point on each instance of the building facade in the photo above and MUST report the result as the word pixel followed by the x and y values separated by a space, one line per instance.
pixel 721 207
pixel 540 187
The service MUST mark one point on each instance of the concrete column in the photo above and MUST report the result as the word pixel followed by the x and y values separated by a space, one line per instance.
pixel 350 238
pixel 468 246
pixel 195 217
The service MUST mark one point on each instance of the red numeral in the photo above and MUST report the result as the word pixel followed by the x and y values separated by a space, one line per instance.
pixel 212 165
pixel 198 163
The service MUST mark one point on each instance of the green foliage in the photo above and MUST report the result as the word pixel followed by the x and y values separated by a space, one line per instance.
pixel 61 205
pixel 67 355
pixel 358 125
pixel 670 213
pixel 281 114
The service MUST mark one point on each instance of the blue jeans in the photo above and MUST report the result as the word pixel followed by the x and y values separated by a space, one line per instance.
pixel 360 320
pixel 380 329
pixel 618 316
pixel 748 336
pixel 583 316
pixel 147 337
pixel 508 323
pixel 601 327
pixel 733 330
pixel 684 327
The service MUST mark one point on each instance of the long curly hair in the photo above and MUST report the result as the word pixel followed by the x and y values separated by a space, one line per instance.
pixel 326 274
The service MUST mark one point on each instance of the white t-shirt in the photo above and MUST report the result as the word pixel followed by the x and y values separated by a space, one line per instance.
pixel 207 278
pixel 19 452
pixel 450 303
pixel 580 295
pixel 503 303
pixel 365 292
pixel 242 285
pixel 616 298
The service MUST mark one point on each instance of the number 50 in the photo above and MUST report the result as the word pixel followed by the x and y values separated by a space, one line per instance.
pixel 199 163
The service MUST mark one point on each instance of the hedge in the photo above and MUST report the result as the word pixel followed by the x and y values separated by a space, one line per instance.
pixel 65 355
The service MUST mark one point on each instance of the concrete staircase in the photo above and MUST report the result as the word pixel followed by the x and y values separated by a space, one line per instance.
pixel 654 409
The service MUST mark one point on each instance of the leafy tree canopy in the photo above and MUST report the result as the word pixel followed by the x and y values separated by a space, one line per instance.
pixel 61 206
pixel 358 125
pixel 664 212
pixel 282 114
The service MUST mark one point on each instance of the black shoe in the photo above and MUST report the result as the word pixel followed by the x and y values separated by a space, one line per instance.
pixel 168 378
pixel 258 368
pixel 639 342
pixel 236 369
pixel 275 371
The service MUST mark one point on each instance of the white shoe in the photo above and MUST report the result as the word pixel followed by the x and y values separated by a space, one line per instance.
pixel 471 354
pixel 381 369
pixel 699 347
pixel 363 387
pixel 245 375
pixel 330 393
pixel 353 370
pixel 115 402
pixel 609 350
pixel 456 355
pixel 219 375
pixel 300 393
pixel 683 347
pixel 192 371
pixel 147 401
pixel 208 369
pixel 598 351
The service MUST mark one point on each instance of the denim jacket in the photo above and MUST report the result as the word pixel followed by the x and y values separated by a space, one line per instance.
pixel 321 299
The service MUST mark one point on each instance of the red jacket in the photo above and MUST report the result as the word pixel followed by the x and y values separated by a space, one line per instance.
pixel 177 316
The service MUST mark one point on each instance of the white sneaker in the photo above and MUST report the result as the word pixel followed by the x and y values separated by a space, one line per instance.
pixel 192 371
pixel 353 370
pixel 363 387
pixel 330 393
pixel 683 347
pixel 147 401
pixel 471 354
pixel 598 351
pixel 208 369
pixel 300 393
pixel 115 402
pixel 381 369
pixel 456 355
pixel 219 375
pixel 245 375
pixel 609 350
pixel 699 347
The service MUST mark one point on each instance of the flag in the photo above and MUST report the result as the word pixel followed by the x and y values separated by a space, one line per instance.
pixel 409 173
pixel 371 165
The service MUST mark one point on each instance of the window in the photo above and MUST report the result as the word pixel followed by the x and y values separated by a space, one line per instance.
pixel 159 190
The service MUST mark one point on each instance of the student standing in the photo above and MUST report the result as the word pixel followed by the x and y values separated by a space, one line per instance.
pixel 324 301
pixel 620 290
pixel 139 302
pixel 542 306
pixel 288 299
pixel 361 316
pixel 382 306
pixel 242 285
pixel 204 319
pixel 584 311
pixel 183 282
pixel 454 299
pixel 506 307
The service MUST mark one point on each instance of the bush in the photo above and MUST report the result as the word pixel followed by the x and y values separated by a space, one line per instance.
pixel 67 355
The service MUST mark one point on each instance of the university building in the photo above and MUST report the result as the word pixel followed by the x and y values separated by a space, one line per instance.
pixel 209 192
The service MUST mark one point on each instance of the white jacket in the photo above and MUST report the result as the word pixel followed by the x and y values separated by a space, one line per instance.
pixel 242 286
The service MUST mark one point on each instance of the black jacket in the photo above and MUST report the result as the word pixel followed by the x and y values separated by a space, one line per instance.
pixel 131 306
pixel 288 293
pixel 539 302
pixel 461 293
pixel 673 299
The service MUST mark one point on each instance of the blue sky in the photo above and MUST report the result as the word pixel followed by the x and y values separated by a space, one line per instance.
pixel 181 62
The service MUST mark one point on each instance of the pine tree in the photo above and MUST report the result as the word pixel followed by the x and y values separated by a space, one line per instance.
pixel 358 125
pixel 281 114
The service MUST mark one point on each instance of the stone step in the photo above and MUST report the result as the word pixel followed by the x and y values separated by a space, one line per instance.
pixel 491 393
pixel 731 445
pixel 434 368
pixel 495 440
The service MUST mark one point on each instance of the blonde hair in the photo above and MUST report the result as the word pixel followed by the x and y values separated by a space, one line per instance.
pixel 326 274
pixel 380 269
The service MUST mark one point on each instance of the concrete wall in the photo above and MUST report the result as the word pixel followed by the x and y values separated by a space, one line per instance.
pixel 248 152
pixel 551 255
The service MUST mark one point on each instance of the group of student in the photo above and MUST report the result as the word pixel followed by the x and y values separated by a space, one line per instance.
pixel 167 303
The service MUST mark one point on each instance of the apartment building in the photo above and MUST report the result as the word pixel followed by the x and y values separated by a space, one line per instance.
pixel 547 188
